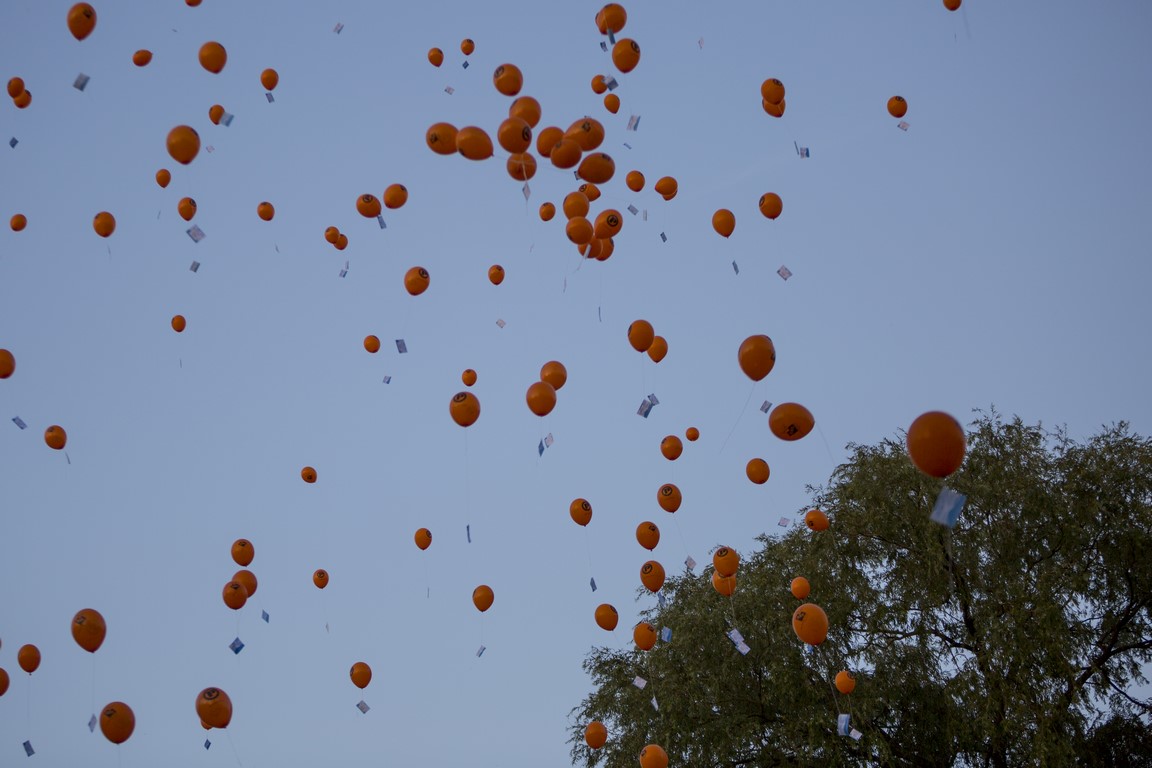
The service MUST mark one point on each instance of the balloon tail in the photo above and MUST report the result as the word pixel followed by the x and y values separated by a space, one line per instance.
pixel 742 410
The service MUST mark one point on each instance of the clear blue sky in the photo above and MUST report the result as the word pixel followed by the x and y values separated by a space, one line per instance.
pixel 995 253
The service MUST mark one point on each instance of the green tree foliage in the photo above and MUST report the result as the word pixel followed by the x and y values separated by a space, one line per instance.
pixel 1015 638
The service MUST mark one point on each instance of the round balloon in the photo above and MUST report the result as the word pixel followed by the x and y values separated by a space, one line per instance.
pixel 474 143
pixel 214 707
pixel 372 344
pixel 725 561
pixel 104 223
pixel 724 222
pixel 441 138
pixel 361 674
pixel 416 281
pixel 468 377
pixel 242 552
pixel 771 205
pixel 626 55
pixel 320 578
pixel 28 657
pixel 772 91
pixel 395 196
pixel 18 222
pixel 757 356
pixel 652 576
pixel 7 364
pixel 179 323
pixel 541 397
pixel 88 629
pixel 595 734
pixel 554 373
pixel 758 471
pixel 183 144
pixel 464 408
pixel 790 421
pixel 810 623
pixel 644 635
pixel 897 107
pixel 606 617
pixel 308 474
pixel 55 437
pixel 435 57
pixel 845 682
pixel 4 681
pixel 581 511
pixel 163 177
pixel 936 444
pixel 800 588
pixel 653 756
pixel 648 535
pixel 508 79
pixel 423 538
pixel 235 595
pixel 213 57
pixel 816 520
pixel 671 447
pixel 482 597
pixel 117 722
pixel 725 585
pixel 269 78
pixel 81 20
pixel 641 335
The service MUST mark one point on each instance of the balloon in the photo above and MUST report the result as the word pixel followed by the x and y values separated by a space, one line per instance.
pixel 606 617
pixel 235 595
pixel 88 629
pixel 308 474
pixel 626 55
pixel 465 408
pixel 213 57
pixel 588 133
pixel 611 18
pixel 579 230
pixel 659 349
pixel 395 196
pixel 214 707
pixel 28 657
pixel 772 91
pixel 521 166
pixel 725 585
pixel 163 177
pixel 757 356
pixel 606 248
pixel 4 681
pixel 81 20
pixel 608 224
pixel 816 520
pixel 117 722
pixel 205 726
pixel 332 234
pixel 595 734
pixel 724 222
pixel 368 206
pixel 634 180
pixel 495 274
pixel 242 552
pixel 142 57
pixel 548 138
pixel 644 635
pixel 590 190
pixel 725 561
pixel 341 242
pixel 648 535
pixel 186 208
pixel 575 205
pixel 467 46
pixel 758 471
pixel 591 249
pixel 810 623
pixel 599 84
pixel 104 223
pixel 565 153
pixel 183 144
pixel 666 187
pixel 554 373
pixel 15 87
pixel 653 756
pixel 936 443
pixel 468 377
pixel 800 587
pixel 423 538
pixel 612 103
pixel 771 205
pixel 547 211
pixel 508 79
pixel 641 335
pixel 652 576
pixel 372 344
pixel 845 682
pixel 541 398
pixel 269 78
pixel 776 110
pixel 790 421
pixel 265 211
pixel 55 437
pixel 441 138
pixel 514 135
pixel 416 281
pixel 597 168
pixel 248 580
pixel 952 5
pixel 7 364
pixel 436 57
pixel 527 109
pixel 897 107
pixel 23 100
pixel 669 497
pixel 320 578
pixel 361 675
pixel 482 597
pixel 18 222
pixel 671 447
pixel 474 143
pixel 215 113
pixel 581 511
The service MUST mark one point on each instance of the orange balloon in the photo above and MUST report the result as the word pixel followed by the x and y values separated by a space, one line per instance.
pixel 117 721
pixel 608 224
pixel 588 133
pixel 28 657
pixel 598 168
pixel 581 511
pixel 183 144
pixel 423 538
pixel 332 234
pixel 548 138
pixel 612 103
pixel 606 617
pixel 724 222
pixel 495 274
pixel 235 595
pixel 565 153
pixel 790 421
pixel 758 471
pixel 772 91
pixel 55 437
pixel 361 674
pixel 547 211
pixel 243 552
pixel 800 588
pixel 845 682
pixel 320 578
pixel 514 135
pixel 579 230
pixel 653 756
pixel 641 335
pixel 215 113
pixel 757 356
pixel 816 520
pixel 467 46
pixel 508 79
pixel 104 223
pixel 595 734
pixel 4 681
pixel 725 561
pixel 7 364
pixel 634 180
pixel 308 474
pixel 669 497
pixel 666 187
pixel 611 18
pixel 590 190
pixel 247 579
pixel 416 281
pixel 576 205
pixel 81 20
pixel 771 205
pixel 897 107
pixel 368 206
pixel 521 166
pixel 214 707
pixel 555 374
pixel 936 444
pixel 18 222
pixel 810 623
pixel 88 629
pixel 606 248
pixel 186 208
pixel 441 138
pixel 265 211
pixel 269 78
pixel 626 54
pixel 644 635
pixel 142 57
pixel 15 87
pixel 464 408
pixel 395 196
pixel 482 597
pixel 372 344
pixel 648 535
pixel 527 109
pixel 776 110
pixel 541 397
pixel 213 57
pixel 23 100
pixel 591 249
pixel 341 241
pixel 671 447
pixel 952 5
pixel 659 349
pixel 468 377
pixel 435 57
pixel 474 143
pixel 652 576
pixel 725 585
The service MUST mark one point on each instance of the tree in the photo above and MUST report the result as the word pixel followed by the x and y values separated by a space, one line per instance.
pixel 1014 638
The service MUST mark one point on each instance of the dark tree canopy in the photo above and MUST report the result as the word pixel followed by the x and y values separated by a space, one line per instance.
pixel 1014 638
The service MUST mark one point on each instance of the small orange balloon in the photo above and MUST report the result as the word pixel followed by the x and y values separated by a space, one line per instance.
pixel 659 349
pixel 186 208
pixel 464 408
pixel 104 223
pixel 216 113
pixel 320 578
pixel 790 421
pixel 213 57
pixel 482 597
pixel 612 103
pixel 235 595
pixel 606 617
pixel 546 139
pixel 368 206
pixel 435 57
pixel 599 84
pixel 416 281
pixel 183 144
pixel 474 143
pixel 669 497
pixel 648 535
pixel 724 222
pixel 579 230
pixel 598 168
pixel 4 681
pixel 7 364
pixel 626 54
pixel 565 153
pixel 576 205
pixel 644 635
pixel 269 78
pixel 23 100
pixel 666 187
pixel 634 180
pixel 758 471
pixel 242 552
pixel 775 110
pixel 468 377
pixel 725 561
pixel 653 756
pixel 581 511
pixel 845 682
pixel 514 135
pixel 332 234
pixel 395 196
pixel 590 190
pixel 467 46
pixel 555 374
pixel 142 57
pixel 308 475
pixel 611 18
pixel 641 335
pixel 18 222
pixel 163 177
pixel 771 205
pixel 725 585
pixel 117 721
pixel 772 91
pixel 372 344
pixel 607 225
pixel 15 87
pixel 800 588
pixel 341 241
pixel 595 734
pixel 652 576
pixel 441 138
pixel 897 107
pixel 952 5
pixel 757 356
pixel 810 624
pixel 588 133
pixel 265 211
pixel 179 323
pixel 214 707
pixel 521 166
pixel 248 580
pixel 816 520
pixel 361 674
pixel 89 629
pixel 508 79
pixel 671 447
pixel 423 538
pixel 28 657
pixel 936 444
pixel 527 109
pixel 541 397
pixel 55 437
pixel 547 211
pixel 81 20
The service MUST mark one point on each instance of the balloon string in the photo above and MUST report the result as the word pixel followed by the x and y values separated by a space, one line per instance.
pixel 427 579
pixel 233 745
pixel 742 410
pixel 588 549
pixel 93 683
pixel 831 460
pixel 683 541
pixel 29 698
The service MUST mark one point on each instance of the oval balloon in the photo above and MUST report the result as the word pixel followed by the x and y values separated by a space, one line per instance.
pixel 775 110
pixel 547 211
pixel 653 756
pixel 758 471
pixel 652 576
pixel 117 721
pixel 541 397
pixel 810 624
pixel 725 585
pixel 423 538
pixel 816 520
pixel 659 349
pixel 757 356
pixel 416 281
pixel 214 707
pixel 936 444
pixel 235 595
pixel 248 580
pixel 724 222
pixel 467 46
pixel 599 84
pixel 611 18
pixel 790 421
pixel 88 629
pixel 81 20
pixel 464 408
pixel 142 57
pixel 7 364
pixel 897 107
pixel 508 79
pixel 23 100
pixel 213 57
pixel 28 657
pixel 372 344
pixel 595 734
pixel 183 144
pixel 495 274
pixel 606 617
pixel 18 222
pixel 435 57
pixel 565 153
pixel 581 511
pixel 641 335
pixel 215 113
pixel 725 561
pixel 554 373
pixel 669 497
pixel 482 597
pixel 4 681
pixel 952 5
pixel 474 143
pixel 527 109
pixel 548 138
pixel 308 474
pixel 332 234
pixel 163 177
pixel 597 168
pixel 361 675
pixel 612 103
pixel 242 552
pixel 320 578
pixel 395 196
pixel 15 87
pixel 845 682
pixel 607 225
pixel 772 91
pixel 771 205
pixel 648 535
pixel 269 78
pixel 692 434
pixel 588 133
pixel 368 206
pixel 104 224
pixel 186 208
pixel 55 437
pixel 626 55
pixel 441 138
pixel 265 211
pixel 666 187
pixel 468 377
pixel 579 230
pixel 514 135
pixel 576 205
pixel 644 635
pixel 671 447
pixel 800 588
